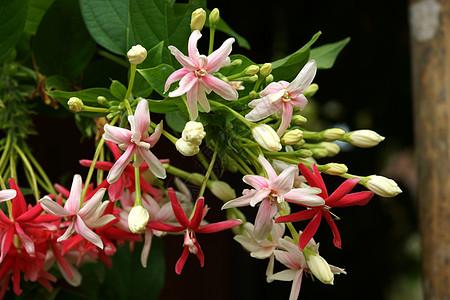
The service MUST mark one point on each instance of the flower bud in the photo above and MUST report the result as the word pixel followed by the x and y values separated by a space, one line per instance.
pixel 265 69
pixel 237 85
pixel 253 95
pixel 138 219
pixel 214 17
pixel 311 90
pixel 252 78
pixel 222 190
pixel 266 137
pixel 382 186
pixel 292 137
pixel 102 100
pixel 251 70
pixel 235 63
pixel 137 54
pixel 333 134
pixel 332 148
pixel 319 152
pixel 363 138
pixel 298 120
pixel 193 133
pixel 335 169
pixel 269 78
pixel 185 148
pixel 75 104
pixel 320 268
pixel 198 19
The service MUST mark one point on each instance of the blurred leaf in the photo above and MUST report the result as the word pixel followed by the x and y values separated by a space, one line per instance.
pixel 13 15
pixel 36 10
pixel 63 45
pixel 117 89
pixel 162 106
pixel 88 96
pixel 141 87
pixel 57 82
pixel 108 24
pixel 86 126
pixel 157 76
pixel 176 120
pixel 153 21
pixel 129 280
pixel 287 68
pixel 326 55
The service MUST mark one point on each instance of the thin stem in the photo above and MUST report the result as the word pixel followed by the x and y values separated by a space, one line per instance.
pixel 137 180
pixel 242 163
pixel 99 171
pixel 235 113
pixel 6 150
pixel 94 109
pixel 212 31
pixel 130 84
pixel 30 170
pixel 208 173
pixel 12 166
pixel 166 134
pixel 201 157
pixel 48 184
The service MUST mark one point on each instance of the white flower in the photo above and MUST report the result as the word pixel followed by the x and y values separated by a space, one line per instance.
pixel 186 148
pixel 383 186
pixel 320 268
pixel 364 138
pixel 266 137
pixel 138 219
pixel 137 54
pixel 193 133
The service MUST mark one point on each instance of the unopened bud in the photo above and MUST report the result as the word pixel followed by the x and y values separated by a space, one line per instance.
pixel 138 219
pixel 298 120
pixel 292 137
pixel 214 17
pixel 363 138
pixel 333 134
pixel 269 78
pixel 266 137
pixel 198 19
pixel 137 54
pixel 300 144
pixel 75 104
pixel 335 169
pixel 320 268
pixel 251 70
pixel 252 78
pixel 332 148
pixel 185 148
pixel 193 133
pixel 253 95
pixel 102 100
pixel 319 152
pixel 311 90
pixel 222 190
pixel 265 69
pixel 382 186
pixel 236 63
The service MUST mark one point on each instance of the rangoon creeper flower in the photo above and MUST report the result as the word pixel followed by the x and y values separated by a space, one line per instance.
pixel 271 192
pixel 135 141
pixel 137 54
pixel 186 148
pixel 193 133
pixel 282 96
pixel 266 137
pixel 138 219
pixel 364 138
pixel 198 19
pixel 81 217
pixel 383 186
pixel 320 268
pixel 195 77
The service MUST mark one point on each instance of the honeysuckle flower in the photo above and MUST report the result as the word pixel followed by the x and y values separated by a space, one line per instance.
pixel 138 219
pixel 191 227
pixel 195 77
pixel 270 192
pixel 266 137
pixel 135 141
pixel 383 186
pixel 364 138
pixel 339 198
pixel 198 19
pixel 137 54
pixel 81 217
pixel 193 133
pixel 282 96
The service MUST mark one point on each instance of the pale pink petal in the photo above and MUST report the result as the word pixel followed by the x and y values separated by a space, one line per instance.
pixel 142 118
pixel 264 219
pixel 54 208
pixel 285 275
pixel 100 222
pixel 67 233
pixel 184 60
pixel 247 243
pixel 276 96
pixel 220 87
pixel 288 244
pixel 287 259
pixel 304 78
pixel 268 167
pixel 175 76
pixel 147 245
pixel 7 195
pixel 272 88
pixel 262 253
pixel 263 110
pixel 154 137
pixel 256 181
pixel 202 98
pixel 241 201
pixel 117 135
pixel 299 101
pixel 260 196
pixel 73 203
pixel 76 278
pixel 219 58
pixel 305 196
pixel 286 118
pixel 185 85
pixel 27 242
pixel 255 102
pixel 277 231
pixel 90 206
pixel 296 285
pixel 165 213
pixel 154 165
pixel 120 165
pixel 87 234
pixel 192 46
pixel 284 181
pixel 191 97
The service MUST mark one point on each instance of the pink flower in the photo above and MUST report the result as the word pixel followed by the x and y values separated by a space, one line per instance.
pixel 81 218
pixel 135 141
pixel 282 96
pixel 339 198
pixel 195 77
pixel 191 227
pixel 271 192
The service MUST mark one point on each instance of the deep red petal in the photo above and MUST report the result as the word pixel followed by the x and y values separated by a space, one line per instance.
pixel 177 209
pixel 19 205
pixel 314 179
pixel 358 198
pixel 164 227
pixel 31 214
pixel 336 237
pixel 16 279
pixel 182 260
pixel 100 165
pixel 198 214
pixel 310 230
pixel 342 190
pixel 199 254
pixel 62 262
pixel 114 149
pixel 4 220
pixel 298 216
pixel 219 226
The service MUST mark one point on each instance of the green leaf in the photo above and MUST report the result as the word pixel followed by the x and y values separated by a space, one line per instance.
pixel 229 70
pixel 13 15
pixel 287 68
pixel 36 10
pixel 154 21
pixel 176 120
pixel 157 76
pixel 141 88
pixel 108 24
pixel 162 106
pixel 57 82
pixel 129 280
pixel 117 89
pixel 63 49
pixel 326 55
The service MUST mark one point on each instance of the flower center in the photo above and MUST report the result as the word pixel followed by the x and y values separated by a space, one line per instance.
pixel 189 240
pixel 200 73
pixel 286 97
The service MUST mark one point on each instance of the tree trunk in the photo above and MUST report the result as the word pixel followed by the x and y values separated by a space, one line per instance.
pixel 430 44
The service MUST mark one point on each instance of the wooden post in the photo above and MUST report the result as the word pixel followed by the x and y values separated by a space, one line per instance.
pixel 430 44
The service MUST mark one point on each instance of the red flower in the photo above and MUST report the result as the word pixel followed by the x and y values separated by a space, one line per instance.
pixel 339 198
pixel 191 226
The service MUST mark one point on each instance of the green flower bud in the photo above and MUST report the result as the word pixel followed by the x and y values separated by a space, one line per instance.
pixel 102 100
pixel 333 134
pixel 382 186
pixel 292 137
pixel 320 268
pixel 253 95
pixel 269 78
pixel 332 148
pixel 298 120
pixel 75 104
pixel 251 70
pixel 265 69
pixel 198 19
pixel 214 17
pixel 335 169
pixel 266 137
pixel 311 90
pixel 222 190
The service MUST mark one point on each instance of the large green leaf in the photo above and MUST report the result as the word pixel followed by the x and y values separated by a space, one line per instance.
pixel 154 21
pixel 13 15
pixel 326 55
pixel 36 10
pixel 107 22
pixel 157 76
pixel 287 68
pixel 63 45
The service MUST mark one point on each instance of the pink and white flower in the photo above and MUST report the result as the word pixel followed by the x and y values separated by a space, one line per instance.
pixel 282 96
pixel 195 77
pixel 270 192
pixel 135 141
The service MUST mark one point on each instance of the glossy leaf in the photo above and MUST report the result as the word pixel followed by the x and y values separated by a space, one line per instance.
pixel 13 15
pixel 176 120
pixel 117 89
pixel 36 10
pixel 157 76
pixel 326 55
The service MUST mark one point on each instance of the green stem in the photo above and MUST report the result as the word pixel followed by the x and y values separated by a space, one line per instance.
pixel 235 113
pixel 128 107
pixel 100 172
pixel 242 163
pixel 194 178
pixel 30 170
pixel 208 173
pixel 95 109
pixel 48 184
pixel 131 83
pixel 291 227
pixel 166 134
pixel 12 166
pixel 6 150
pixel 201 157
pixel 212 31
pixel 137 180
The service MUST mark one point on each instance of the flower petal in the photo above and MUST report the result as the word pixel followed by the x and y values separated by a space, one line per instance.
pixel 305 196
pixel 260 196
pixel 7 195
pixel 90 206
pixel 256 181
pixel 192 46
pixel 342 190
pixel 220 87
pixel 120 165
pixel 87 233
pixel 54 208
pixel 219 226
pixel 284 181
pixel 358 198
pixel 117 135
pixel 219 58
pixel 142 118
pixel 182 260
pixel 184 60
pixel 244 200
pixel 262 110
pixel 268 167
pixel 175 76
pixel 154 165
pixel 304 78
pixel 286 118
pixel 336 236
pixel 264 219
pixel 177 209
pixel 146 248
pixel 310 230
pixel 185 85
